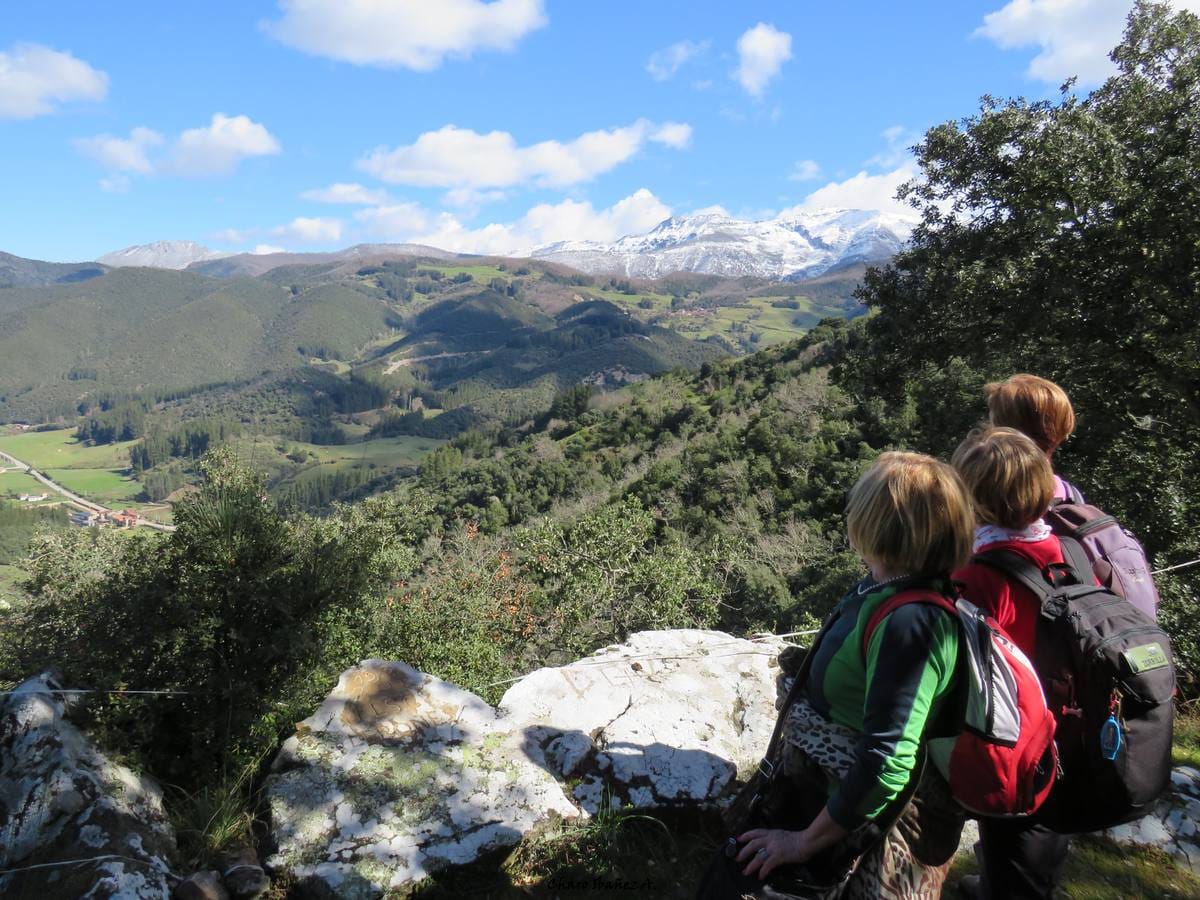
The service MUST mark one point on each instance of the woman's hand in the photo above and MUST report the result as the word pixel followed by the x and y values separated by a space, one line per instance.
pixel 767 848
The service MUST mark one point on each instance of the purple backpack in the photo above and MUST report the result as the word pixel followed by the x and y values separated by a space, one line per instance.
pixel 1118 560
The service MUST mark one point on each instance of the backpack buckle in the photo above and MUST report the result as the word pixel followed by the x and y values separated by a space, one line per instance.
pixel 766 769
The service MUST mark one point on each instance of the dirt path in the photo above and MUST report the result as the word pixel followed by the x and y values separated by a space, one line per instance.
pixel 402 363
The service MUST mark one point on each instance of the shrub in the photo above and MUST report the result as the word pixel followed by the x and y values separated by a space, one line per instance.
pixel 225 610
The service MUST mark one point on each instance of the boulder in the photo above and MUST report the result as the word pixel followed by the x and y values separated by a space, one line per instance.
pixel 399 774
pixel 61 800
pixel 1173 824
pixel 667 719
pixel 396 775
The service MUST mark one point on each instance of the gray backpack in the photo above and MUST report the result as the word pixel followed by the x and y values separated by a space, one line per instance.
pixel 1117 558
pixel 1109 678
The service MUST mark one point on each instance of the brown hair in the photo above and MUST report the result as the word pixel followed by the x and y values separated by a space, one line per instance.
pixel 1033 406
pixel 1008 475
pixel 912 514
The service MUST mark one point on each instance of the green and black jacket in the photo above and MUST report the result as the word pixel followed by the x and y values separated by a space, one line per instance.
pixel 888 697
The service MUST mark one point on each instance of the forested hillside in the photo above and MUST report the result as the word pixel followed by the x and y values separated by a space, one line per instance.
pixel 359 350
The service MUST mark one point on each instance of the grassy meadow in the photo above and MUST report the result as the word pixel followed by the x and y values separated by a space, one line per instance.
pixel 59 450
pixel 13 483
pixel 99 473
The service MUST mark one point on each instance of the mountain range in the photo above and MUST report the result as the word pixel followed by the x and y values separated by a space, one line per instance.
pixel 796 244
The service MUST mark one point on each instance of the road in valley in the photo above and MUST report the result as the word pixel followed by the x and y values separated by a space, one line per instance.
pixel 71 496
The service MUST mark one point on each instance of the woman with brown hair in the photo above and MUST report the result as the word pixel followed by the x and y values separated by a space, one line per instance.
pixel 1012 486
pixel 1040 410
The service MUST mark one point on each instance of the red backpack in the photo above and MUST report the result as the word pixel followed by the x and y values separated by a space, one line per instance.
pixel 999 759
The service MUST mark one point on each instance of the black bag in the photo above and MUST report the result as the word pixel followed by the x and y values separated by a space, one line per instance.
pixel 773 800
pixel 1109 678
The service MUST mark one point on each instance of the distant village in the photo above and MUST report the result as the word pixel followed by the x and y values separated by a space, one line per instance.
pixel 85 518
pixel 126 518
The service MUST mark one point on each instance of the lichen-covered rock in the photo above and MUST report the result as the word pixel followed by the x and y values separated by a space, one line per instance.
pixel 669 718
pixel 62 800
pixel 395 776
pixel 1174 824
pixel 399 774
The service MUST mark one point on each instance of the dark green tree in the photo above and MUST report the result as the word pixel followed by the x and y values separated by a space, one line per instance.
pixel 1063 238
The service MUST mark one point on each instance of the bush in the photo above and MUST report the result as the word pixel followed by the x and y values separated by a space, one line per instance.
pixel 225 611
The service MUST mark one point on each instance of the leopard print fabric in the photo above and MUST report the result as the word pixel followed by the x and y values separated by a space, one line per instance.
pixel 912 862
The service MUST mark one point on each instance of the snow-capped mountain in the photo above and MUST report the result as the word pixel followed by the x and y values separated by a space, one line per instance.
pixel 795 244
pixel 161 255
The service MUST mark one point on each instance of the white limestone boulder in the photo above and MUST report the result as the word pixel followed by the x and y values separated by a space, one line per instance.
pixel 395 776
pixel 669 718
pixel 399 774
pixel 62 800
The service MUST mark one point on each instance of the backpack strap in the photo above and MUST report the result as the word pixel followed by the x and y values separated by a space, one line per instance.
pixel 1074 493
pixel 1042 582
pixel 767 767
pixel 903 598
pixel 1076 557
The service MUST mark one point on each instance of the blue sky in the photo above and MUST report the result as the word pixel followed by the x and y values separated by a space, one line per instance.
pixel 314 124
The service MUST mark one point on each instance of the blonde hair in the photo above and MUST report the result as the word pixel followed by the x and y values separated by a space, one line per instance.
pixel 1008 475
pixel 911 514
pixel 1033 406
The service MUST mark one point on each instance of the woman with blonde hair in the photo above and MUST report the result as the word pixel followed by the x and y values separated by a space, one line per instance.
pixel 853 739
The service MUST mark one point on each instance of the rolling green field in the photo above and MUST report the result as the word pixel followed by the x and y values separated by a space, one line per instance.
pixel 60 450
pixel 662 302
pixel 107 486
pixel 99 473
pixel 397 451
pixel 482 274
pixel 13 484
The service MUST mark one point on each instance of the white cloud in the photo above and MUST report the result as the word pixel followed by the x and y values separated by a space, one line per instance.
pixel 865 191
pixel 351 193
pixel 762 51
pixel 413 34
pixel 1074 37
pixel 663 64
pixel 310 230
pixel 396 221
pixel 545 223
pixel 217 148
pixel 264 249
pixel 471 198
pixel 673 134
pixel 453 157
pixel 897 139
pixel 122 154
pixel 804 170
pixel 34 78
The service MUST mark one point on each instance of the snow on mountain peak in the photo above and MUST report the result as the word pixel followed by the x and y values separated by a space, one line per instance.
pixel 795 243
pixel 161 255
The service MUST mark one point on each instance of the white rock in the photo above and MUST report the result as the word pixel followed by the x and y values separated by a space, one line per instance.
pixel 61 799
pixel 439 777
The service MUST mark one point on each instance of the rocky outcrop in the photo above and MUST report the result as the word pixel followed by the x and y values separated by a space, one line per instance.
pixel 73 822
pixel 1173 824
pixel 399 774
